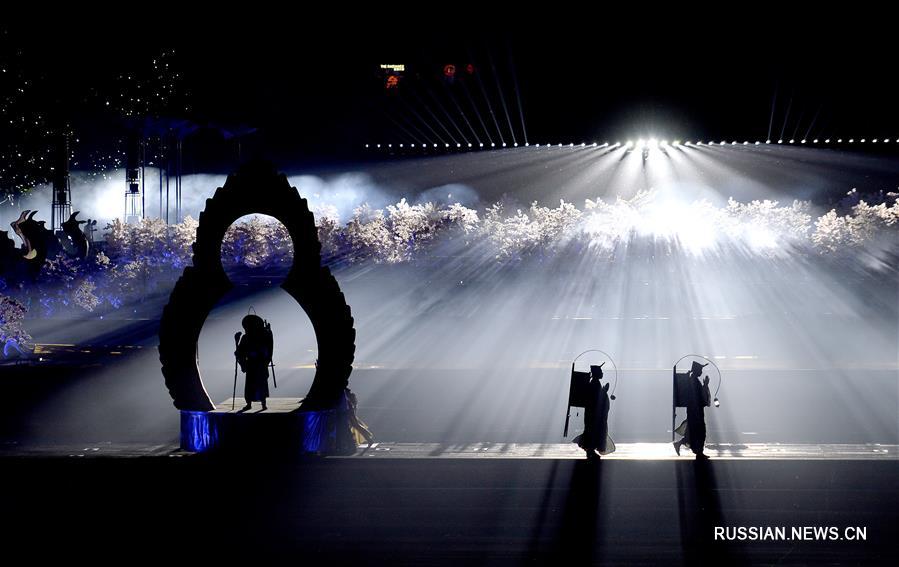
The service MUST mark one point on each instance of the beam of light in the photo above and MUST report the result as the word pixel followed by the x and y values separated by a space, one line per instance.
pixel 489 106
pixel 426 123
pixel 502 97
pixel 786 117
pixel 798 124
pixel 464 117
pixel 477 111
pixel 524 129
pixel 435 117
pixel 808 131
pixel 418 136
pixel 446 113
pixel 773 105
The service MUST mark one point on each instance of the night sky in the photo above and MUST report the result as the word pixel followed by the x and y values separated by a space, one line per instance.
pixel 310 91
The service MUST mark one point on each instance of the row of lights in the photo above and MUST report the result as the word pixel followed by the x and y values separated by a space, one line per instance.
pixel 641 144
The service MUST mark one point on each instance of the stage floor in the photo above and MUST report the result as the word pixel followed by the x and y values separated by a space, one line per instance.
pixel 275 406
pixel 551 451
pixel 451 510
pixel 628 451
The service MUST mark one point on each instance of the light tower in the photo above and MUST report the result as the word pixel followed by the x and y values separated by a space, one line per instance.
pixel 134 179
pixel 61 206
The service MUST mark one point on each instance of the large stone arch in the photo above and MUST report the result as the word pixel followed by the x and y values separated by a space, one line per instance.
pixel 255 188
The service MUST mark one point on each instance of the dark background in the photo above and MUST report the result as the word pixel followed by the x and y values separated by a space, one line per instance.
pixel 310 87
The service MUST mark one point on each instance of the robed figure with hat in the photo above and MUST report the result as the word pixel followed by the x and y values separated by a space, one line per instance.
pixel 595 439
pixel 254 355
pixel 697 399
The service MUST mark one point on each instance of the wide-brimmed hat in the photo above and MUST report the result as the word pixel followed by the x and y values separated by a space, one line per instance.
pixel 252 322
pixel 697 368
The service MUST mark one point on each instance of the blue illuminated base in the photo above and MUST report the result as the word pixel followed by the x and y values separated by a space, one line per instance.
pixel 281 429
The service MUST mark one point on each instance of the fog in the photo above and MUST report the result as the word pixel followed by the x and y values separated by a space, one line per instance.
pixel 472 348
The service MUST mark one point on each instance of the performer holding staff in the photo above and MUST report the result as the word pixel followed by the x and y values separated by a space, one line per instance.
pixel 254 355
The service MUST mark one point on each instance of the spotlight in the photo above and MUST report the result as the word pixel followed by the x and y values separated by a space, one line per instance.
pixel 815 141
pixel 734 143
pixel 458 145
pixel 480 144
pixel 537 145
pixel 366 145
pixel 653 143
pixel 874 141
pixel 594 144
pixel 840 141
pixel 504 144
pixel 492 144
pixel 379 145
pixel 767 141
pixel 851 140
pixel 792 141
pixel 757 142
pixel 401 145
pixel 745 143
pixel 469 144
pixel 780 141
pixel 802 142
pixel 629 144
pixel 886 141
pixel 447 145
pixel 526 144
pixel 827 141
pixel 389 145
pixel 862 140
pixel 560 144
pixel 571 145
pixel 515 144
pixel 435 145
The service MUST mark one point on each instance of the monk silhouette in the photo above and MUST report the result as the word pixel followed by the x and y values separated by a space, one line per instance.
pixel 254 354
pixel 698 398
pixel 595 439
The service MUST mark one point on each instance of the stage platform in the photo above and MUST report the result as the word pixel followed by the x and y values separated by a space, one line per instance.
pixel 493 451
pixel 628 451
pixel 282 428
pixel 407 505
pixel 275 406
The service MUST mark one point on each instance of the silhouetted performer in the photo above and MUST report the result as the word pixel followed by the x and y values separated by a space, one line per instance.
pixel 254 354
pixel 360 431
pixel 595 438
pixel 693 428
